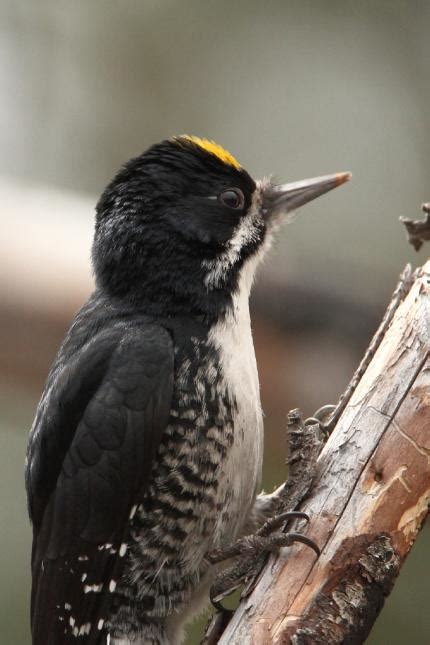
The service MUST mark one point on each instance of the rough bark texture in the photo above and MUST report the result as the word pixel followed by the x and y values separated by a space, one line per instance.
pixel 367 504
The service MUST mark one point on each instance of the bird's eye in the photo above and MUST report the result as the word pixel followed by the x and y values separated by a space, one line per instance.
pixel 232 198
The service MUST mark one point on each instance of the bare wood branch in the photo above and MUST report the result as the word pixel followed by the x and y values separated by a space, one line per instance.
pixel 367 503
pixel 418 230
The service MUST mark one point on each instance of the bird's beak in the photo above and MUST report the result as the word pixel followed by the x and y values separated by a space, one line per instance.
pixel 284 198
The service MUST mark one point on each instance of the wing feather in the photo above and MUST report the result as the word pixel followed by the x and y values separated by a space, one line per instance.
pixel 89 461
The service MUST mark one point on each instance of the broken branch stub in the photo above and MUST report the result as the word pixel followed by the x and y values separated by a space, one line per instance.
pixel 418 230
pixel 368 501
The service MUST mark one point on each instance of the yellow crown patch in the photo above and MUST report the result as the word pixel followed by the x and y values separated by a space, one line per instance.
pixel 210 146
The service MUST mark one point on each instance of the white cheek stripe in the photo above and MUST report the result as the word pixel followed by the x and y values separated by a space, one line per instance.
pixel 243 235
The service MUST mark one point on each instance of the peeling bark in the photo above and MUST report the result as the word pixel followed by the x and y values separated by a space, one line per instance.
pixel 369 499
pixel 363 573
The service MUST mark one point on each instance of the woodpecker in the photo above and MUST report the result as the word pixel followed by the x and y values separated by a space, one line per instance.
pixel 146 449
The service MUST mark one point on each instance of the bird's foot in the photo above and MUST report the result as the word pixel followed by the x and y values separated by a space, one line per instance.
pixel 251 554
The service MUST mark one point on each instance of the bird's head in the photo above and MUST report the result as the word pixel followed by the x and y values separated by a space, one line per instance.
pixel 177 226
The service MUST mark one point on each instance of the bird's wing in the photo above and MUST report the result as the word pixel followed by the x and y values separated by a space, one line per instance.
pixel 90 454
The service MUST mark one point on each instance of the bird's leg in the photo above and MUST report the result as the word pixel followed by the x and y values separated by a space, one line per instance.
pixel 252 551
pixel 271 516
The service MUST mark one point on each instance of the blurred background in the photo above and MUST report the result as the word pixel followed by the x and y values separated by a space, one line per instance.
pixel 293 88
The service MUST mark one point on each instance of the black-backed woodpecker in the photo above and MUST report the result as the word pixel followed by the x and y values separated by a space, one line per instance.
pixel 146 449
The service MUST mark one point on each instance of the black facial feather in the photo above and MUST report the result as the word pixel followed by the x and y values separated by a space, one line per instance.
pixel 159 223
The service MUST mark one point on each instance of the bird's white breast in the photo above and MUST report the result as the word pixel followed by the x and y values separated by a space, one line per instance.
pixel 241 471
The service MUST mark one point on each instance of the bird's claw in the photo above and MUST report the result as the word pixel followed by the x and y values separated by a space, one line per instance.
pixel 251 552
pixel 322 417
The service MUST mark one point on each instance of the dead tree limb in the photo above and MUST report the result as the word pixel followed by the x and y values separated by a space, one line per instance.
pixel 418 230
pixel 368 501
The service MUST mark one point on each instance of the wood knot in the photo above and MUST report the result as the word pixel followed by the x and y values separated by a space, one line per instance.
pixel 378 475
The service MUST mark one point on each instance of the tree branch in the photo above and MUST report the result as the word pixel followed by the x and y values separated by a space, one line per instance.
pixel 367 503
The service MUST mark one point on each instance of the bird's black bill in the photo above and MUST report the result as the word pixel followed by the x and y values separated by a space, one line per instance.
pixel 285 198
